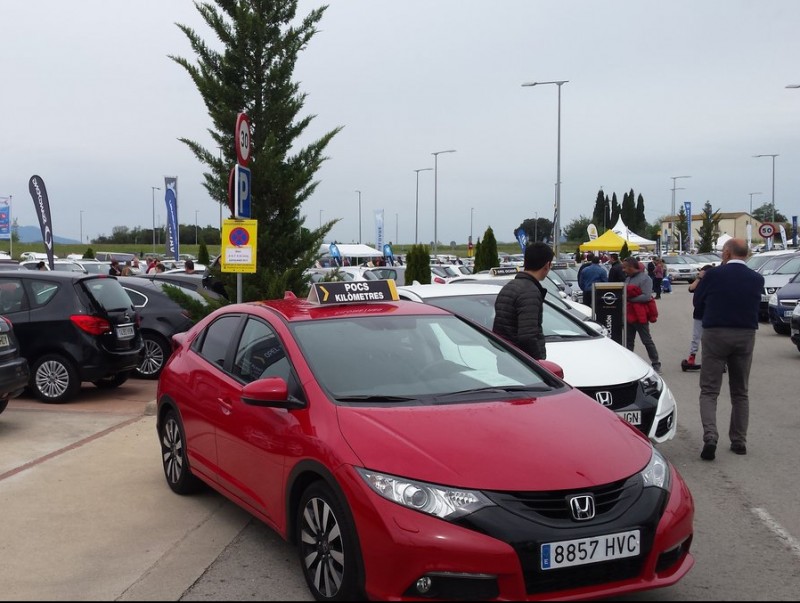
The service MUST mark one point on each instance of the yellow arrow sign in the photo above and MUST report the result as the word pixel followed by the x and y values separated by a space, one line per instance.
pixel 324 299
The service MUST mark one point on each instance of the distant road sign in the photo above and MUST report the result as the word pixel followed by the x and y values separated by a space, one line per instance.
pixel 766 230
pixel 243 192
pixel 243 142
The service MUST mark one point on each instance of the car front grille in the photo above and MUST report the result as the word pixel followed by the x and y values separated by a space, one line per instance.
pixel 622 396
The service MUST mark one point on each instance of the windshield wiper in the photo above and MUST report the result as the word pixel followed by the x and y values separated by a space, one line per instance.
pixel 499 389
pixel 373 398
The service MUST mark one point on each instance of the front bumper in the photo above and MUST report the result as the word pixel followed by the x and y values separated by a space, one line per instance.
pixel 493 554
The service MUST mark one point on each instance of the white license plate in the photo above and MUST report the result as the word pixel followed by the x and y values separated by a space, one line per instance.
pixel 634 417
pixel 589 550
pixel 125 332
pixel 3 340
pixel 788 313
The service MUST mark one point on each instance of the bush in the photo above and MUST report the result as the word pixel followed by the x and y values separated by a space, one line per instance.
pixel 418 265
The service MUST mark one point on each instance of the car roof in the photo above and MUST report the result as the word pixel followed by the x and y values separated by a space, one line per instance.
pixel 434 290
pixel 51 275
pixel 299 310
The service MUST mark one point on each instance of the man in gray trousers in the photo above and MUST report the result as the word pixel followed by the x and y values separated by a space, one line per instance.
pixel 727 298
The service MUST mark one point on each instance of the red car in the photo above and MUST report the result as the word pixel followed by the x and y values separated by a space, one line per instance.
pixel 410 454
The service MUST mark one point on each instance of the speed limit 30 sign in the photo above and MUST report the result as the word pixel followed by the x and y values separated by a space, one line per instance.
pixel 766 230
pixel 243 142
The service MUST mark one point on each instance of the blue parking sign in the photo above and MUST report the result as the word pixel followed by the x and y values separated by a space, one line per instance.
pixel 243 192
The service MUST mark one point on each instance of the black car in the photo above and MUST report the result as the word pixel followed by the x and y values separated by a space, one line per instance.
pixel 13 367
pixel 204 284
pixel 71 327
pixel 160 318
pixel 781 305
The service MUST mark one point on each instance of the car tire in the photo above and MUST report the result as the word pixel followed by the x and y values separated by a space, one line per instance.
pixel 782 329
pixel 174 456
pixel 3 405
pixel 155 354
pixel 328 546
pixel 112 381
pixel 54 379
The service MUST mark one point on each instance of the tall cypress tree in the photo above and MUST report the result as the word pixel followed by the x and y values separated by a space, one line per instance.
pixel 640 223
pixel 252 73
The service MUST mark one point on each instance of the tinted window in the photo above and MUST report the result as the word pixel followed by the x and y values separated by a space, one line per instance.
pixel 217 338
pixel 137 299
pixel 108 293
pixel 43 292
pixel 12 296
pixel 260 354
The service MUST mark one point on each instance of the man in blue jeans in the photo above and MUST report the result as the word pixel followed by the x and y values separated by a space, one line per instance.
pixel 728 299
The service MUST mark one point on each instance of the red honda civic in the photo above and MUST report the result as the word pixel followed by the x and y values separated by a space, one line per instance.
pixel 411 455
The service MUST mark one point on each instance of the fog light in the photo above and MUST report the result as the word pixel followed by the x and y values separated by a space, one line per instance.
pixel 424 585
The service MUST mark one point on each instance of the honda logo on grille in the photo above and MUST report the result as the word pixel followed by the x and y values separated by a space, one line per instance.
pixel 604 398
pixel 582 507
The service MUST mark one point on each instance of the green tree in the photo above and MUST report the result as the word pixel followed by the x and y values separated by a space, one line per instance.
pixel 576 230
pixel 615 211
pixel 202 254
pixel 89 253
pixel 640 222
pixel 624 252
pixel 418 265
pixel 708 233
pixel 628 210
pixel 681 230
pixel 764 214
pixel 252 73
pixel 486 257
pixel 600 211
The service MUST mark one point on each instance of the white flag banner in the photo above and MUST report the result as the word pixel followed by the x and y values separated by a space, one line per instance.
pixel 378 229
pixel 783 236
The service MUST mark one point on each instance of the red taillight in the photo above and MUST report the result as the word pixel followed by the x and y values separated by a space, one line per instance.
pixel 91 324
pixel 439 280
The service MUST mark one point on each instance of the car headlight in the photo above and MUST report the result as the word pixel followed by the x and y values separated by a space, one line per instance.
pixel 441 501
pixel 773 300
pixel 652 384
pixel 656 474
pixel 796 311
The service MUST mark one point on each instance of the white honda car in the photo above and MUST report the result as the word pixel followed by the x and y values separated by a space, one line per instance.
pixel 632 389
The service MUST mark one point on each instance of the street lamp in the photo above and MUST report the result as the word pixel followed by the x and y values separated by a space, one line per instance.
pixel 793 86
pixel 320 218
pixel 672 223
pixel 359 217
pixel 773 155
pixel 155 188
pixel 435 198
pixel 751 204
pixel 81 226
pixel 416 215
pixel 749 221
pixel 195 226
pixel 471 212
pixel 557 216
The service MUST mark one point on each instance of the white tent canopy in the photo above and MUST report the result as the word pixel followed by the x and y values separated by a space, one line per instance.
pixel 723 238
pixel 352 250
pixel 627 234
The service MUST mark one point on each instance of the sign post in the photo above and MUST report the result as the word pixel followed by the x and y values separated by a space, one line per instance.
pixel 239 238
pixel 609 301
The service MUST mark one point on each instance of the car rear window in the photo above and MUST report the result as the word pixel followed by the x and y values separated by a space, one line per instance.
pixel 108 293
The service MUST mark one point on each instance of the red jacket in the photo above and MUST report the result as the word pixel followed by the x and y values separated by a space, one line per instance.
pixel 640 313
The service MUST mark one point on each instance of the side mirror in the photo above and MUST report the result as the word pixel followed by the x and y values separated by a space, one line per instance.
pixel 271 392
pixel 553 368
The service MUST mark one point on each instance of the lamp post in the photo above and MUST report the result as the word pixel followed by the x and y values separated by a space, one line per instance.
pixel 793 86
pixel 195 226
pixel 471 212
pixel 81 226
pixel 320 218
pixel 773 155
pixel 436 199
pixel 751 205
pixel 749 221
pixel 416 214
pixel 672 223
pixel 359 217
pixel 155 188
pixel 557 216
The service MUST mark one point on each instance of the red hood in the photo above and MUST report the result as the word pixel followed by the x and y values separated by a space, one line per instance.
pixel 552 443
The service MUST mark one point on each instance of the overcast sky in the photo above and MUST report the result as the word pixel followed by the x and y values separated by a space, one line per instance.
pixel 91 103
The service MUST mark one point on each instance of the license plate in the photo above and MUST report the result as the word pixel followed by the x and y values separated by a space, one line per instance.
pixel 634 417
pixel 583 551
pixel 125 332
pixel 788 313
pixel 3 340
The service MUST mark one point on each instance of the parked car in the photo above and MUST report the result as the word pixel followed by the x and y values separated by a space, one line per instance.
pixel 160 319
pixel 680 268
pixel 633 389
pixel 194 282
pixel 757 260
pixel 795 327
pixel 13 367
pixel 410 454
pixel 777 273
pixel 62 265
pixel 781 305
pixel 71 327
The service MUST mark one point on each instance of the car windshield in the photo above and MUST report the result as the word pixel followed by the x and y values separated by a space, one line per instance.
pixel 108 293
pixel 480 308
pixel 791 266
pixel 674 259
pixel 771 265
pixel 377 359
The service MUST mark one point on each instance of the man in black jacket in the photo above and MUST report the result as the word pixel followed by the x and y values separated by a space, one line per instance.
pixel 615 272
pixel 519 305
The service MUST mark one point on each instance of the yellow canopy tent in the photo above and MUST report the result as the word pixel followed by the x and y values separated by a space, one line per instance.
pixel 608 241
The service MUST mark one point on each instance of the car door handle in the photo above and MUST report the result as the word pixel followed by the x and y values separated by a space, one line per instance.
pixel 225 405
